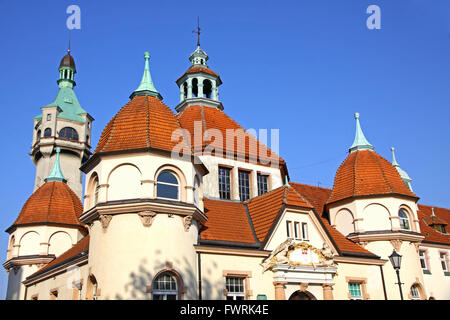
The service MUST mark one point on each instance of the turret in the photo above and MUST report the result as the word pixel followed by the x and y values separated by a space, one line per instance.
pixel 64 124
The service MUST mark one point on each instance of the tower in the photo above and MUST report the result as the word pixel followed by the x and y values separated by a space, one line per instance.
pixel 199 84
pixel 47 226
pixel 64 124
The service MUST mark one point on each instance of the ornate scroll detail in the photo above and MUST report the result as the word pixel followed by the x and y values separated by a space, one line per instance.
pixel 299 254
pixel 147 217
pixel 105 219
pixel 187 222
pixel 279 255
pixel 396 244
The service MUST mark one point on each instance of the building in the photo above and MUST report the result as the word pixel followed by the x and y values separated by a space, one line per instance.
pixel 187 205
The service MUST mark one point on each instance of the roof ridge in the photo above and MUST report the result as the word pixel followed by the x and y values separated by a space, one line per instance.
pixel 382 172
pixel 308 185
pixel 147 120
pixel 354 172
pixel 50 200
pixel 304 199
pixel 264 194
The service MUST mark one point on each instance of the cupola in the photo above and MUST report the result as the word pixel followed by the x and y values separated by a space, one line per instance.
pixel 199 84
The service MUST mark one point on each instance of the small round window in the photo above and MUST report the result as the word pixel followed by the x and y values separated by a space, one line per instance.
pixel 167 186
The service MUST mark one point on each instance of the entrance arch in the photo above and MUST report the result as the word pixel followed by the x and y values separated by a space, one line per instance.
pixel 302 295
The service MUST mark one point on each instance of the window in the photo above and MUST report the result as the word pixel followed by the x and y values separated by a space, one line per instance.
pixel 262 183
pixel 244 185
pixel 165 287
pixel 196 191
pixel 415 295
pixel 297 230
pixel 47 132
pixel 439 227
pixel 423 260
pixel 404 221
pixel 49 117
pixel 289 229
pixel 167 186
pixel 38 135
pixel 224 183
pixel 235 288
pixel 68 133
pixel 96 191
pixel 355 290
pixel 305 231
pixel 443 258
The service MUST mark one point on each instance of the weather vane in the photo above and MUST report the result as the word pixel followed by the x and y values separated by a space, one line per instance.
pixel 198 31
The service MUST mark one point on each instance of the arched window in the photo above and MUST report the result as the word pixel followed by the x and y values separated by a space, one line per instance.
pixel 415 294
pixel 165 287
pixel 92 288
pixel 196 191
pixel 38 135
pixel 194 88
pixel 185 85
pixel 167 186
pixel 68 133
pixel 207 89
pixel 404 221
pixel 47 132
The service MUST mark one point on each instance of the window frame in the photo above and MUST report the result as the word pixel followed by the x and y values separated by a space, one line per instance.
pixel 244 189
pixel 74 134
pixel 358 289
pixel 262 184
pixel 305 232
pixel 178 184
pixel 162 292
pixel 443 257
pixel 404 219
pixel 412 294
pixel 423 258
pixel 235 295
pixel 224 193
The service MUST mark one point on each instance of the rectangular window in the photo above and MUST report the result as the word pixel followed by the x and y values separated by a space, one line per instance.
pixel 443 258
pixel 423 260
pixel 49 117
pixel 289 229
pixel 262 183
pixel 297 231
pixel 355 290
pixel 224 183
pixel 305 231
pixel 244 185
pixel 235 288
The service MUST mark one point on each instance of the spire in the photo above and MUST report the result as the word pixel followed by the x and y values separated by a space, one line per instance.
pixel 405 177
pixel 146 88
pixel 394 161
pixel 360 142
pixel 56 174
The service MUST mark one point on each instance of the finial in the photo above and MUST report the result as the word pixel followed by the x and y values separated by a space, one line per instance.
pixel 56 174
pixel 198 32
pixel 146 87
pixel 432 212
pixel 286 181
pixel 394 161
pixel 360 142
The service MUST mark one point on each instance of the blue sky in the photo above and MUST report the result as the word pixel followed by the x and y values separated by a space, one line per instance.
pixel 303 67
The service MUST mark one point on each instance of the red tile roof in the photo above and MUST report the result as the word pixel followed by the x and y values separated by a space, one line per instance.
pixel 78 248
pixel 365 173
pixel 144 122
pixel 240 145
pixel 266 208
pixel 431 235
pixel 54 202
pixel 195 69
pixel 318 197
pixel 227 221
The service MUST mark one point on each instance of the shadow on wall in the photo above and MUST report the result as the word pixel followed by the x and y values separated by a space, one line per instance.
pixel 141 279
